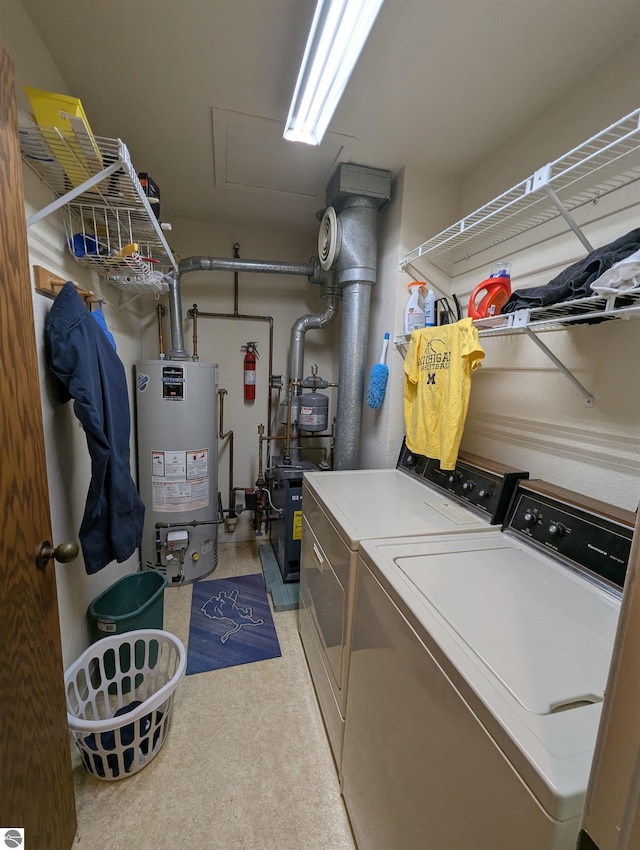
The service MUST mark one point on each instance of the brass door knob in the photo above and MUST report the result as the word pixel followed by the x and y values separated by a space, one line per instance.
pixel 63 553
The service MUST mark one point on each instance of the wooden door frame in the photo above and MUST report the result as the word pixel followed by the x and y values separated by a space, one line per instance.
pixel 36 781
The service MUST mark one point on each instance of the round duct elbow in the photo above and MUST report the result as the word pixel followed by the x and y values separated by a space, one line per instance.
pixel 356 257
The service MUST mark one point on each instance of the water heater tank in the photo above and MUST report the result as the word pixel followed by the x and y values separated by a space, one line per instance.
pixel 177 441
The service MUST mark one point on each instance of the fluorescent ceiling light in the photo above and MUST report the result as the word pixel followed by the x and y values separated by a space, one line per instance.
pixel 338 33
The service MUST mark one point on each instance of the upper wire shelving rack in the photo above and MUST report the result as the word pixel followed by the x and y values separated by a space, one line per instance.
pixel 607 161
pixel 116 232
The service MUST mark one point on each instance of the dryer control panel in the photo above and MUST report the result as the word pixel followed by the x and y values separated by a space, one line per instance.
pixel 482 484
pixel 584 533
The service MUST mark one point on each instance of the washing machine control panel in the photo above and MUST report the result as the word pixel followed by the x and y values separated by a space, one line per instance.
pixel 482 484
pixel 585 534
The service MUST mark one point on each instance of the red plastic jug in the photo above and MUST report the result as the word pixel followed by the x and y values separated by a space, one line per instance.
pixel 496 292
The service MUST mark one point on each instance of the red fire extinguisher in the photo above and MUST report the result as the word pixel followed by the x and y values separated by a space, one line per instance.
pixel 250 370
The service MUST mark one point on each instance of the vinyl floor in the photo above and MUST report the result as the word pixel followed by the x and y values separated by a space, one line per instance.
pixel 246 763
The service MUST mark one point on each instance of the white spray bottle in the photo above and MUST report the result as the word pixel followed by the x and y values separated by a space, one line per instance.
pixel 413 312
pixel 430 317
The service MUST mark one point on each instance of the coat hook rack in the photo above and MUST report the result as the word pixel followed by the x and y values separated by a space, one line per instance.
pixel 50 284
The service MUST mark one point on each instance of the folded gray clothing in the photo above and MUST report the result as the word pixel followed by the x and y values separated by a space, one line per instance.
pixel 575 281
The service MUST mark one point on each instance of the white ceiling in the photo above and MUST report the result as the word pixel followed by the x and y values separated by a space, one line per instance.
pixel 199 89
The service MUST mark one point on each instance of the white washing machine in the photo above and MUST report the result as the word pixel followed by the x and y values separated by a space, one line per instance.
pixel 477 674
pixel 340 509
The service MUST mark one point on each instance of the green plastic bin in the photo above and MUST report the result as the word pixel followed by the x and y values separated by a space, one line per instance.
pixel 135 601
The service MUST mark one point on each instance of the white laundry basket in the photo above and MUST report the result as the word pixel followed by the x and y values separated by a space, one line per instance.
pixel 119 698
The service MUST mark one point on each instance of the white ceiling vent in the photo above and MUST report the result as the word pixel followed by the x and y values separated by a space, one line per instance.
pixel 329 239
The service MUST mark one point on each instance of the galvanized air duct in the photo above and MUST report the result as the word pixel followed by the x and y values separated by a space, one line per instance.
pixel 332 295
pixel 310 270
pixel 355 193
pixel 356 268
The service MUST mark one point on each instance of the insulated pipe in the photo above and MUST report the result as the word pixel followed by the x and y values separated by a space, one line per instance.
pixel 357 270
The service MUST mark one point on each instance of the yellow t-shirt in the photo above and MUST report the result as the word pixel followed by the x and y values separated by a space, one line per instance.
pixel 438 369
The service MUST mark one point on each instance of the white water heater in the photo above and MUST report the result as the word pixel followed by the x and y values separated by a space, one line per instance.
pixel 177 440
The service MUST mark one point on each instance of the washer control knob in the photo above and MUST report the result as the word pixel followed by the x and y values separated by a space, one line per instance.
pixel 530 517
pixel 557 529
pixel 468 486
pixel 409 459
pixel 484 494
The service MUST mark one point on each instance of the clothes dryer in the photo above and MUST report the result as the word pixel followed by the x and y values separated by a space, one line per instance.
pixel 477 673
pixel 340 509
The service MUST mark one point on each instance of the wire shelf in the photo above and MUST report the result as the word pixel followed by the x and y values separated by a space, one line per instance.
pixel 608 161
pixel 622 305
pixel 554 317
pixel 110 225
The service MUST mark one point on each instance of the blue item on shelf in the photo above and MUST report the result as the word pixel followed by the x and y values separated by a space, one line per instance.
pixel 82 244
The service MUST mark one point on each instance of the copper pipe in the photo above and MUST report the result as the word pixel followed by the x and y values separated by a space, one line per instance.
pixel 222 435
pixel 269 319
pixel 194 314
pixel 300 437
pixel 286 454
pixel 260 482
pixel 236 255
pixel 160 312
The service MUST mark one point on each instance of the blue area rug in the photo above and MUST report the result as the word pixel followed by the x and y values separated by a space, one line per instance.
pixel 231 624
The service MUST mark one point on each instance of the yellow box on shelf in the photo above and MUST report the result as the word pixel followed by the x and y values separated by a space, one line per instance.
pixel 66 130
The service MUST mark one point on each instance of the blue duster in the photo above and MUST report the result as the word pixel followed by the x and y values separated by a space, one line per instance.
pixel 378 378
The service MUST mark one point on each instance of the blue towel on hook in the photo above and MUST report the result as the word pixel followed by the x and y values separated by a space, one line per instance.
pixel 98 315
pixel 90 372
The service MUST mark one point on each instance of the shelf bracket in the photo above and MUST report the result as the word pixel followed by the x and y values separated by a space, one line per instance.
pixel 72 194
pixel 541 181
pixel 589 399
pixel 400 343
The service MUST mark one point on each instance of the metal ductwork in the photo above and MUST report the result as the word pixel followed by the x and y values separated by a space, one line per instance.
pixel 356 193
pixel 311 321
pixel 310 270
pixel 332 294
pixel 230 264
pixel 354 196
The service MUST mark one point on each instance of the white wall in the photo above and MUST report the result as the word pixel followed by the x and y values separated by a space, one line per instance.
pixel 420 203
pixel 607 94
pixel 523 411
pixel 68 462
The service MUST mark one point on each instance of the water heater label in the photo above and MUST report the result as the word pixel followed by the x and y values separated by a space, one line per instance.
pixel 173 383
pixel 180 480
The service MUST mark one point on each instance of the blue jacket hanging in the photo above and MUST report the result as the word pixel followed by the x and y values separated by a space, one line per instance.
pixel 90 372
